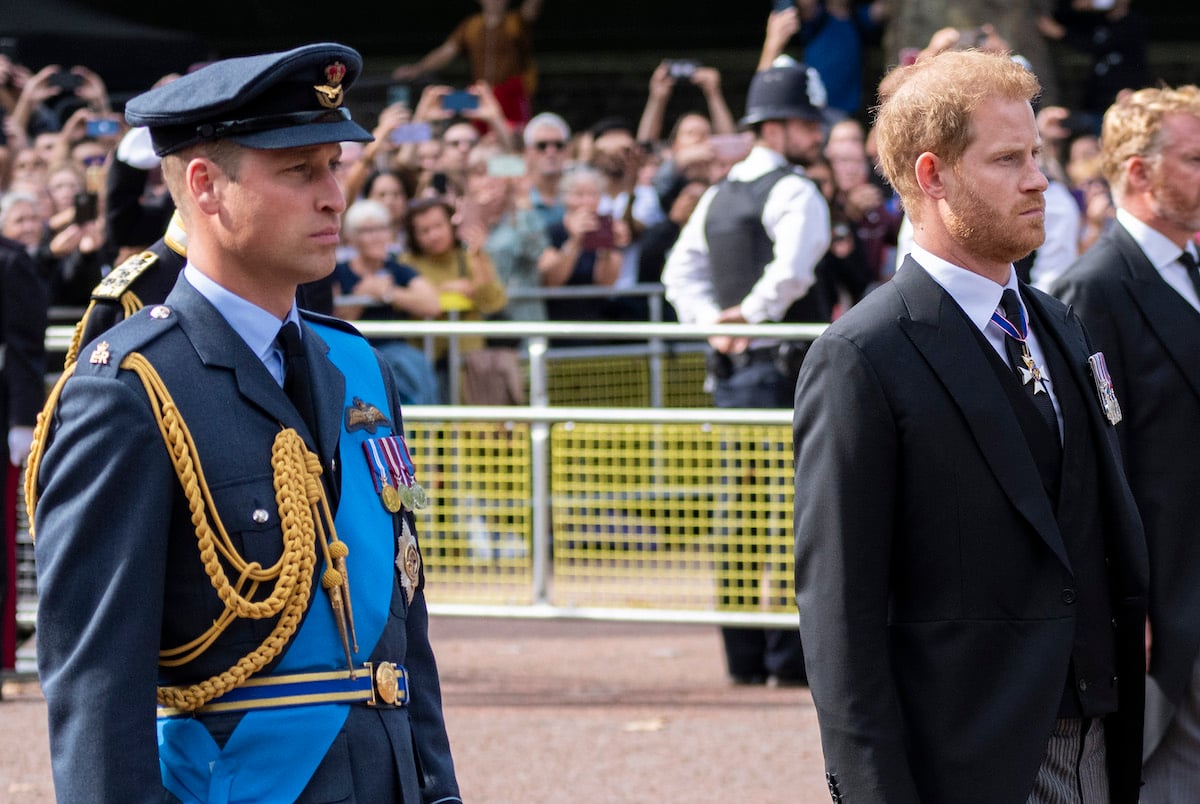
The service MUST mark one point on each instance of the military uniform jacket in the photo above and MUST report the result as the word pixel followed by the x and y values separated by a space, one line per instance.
pixel 120 576
pixel 931 573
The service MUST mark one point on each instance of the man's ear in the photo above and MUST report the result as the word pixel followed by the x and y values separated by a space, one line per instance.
pixel 1138 174
pixel 205 183
pixel 930 173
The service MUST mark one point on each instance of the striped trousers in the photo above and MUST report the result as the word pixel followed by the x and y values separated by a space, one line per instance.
pixel 1075 768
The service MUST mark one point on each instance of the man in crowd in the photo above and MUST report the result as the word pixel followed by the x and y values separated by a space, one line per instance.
pixel 970 566
pixel 1138 292
pixel 253 591
pixel 747 255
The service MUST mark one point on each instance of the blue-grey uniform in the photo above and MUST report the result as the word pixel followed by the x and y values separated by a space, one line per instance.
pixel 230 609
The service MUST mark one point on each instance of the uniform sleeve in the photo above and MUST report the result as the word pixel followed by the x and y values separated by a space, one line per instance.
pixel 102 533
pixel 846 463
pixel 796 218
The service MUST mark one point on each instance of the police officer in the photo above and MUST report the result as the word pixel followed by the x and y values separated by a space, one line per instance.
pixel 748 255
pixel 231 598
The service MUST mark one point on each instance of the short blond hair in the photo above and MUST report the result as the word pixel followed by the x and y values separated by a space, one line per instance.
pixel 1133 127
pixel 929 106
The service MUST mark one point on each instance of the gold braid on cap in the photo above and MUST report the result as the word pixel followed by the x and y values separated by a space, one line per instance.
pixel 303 513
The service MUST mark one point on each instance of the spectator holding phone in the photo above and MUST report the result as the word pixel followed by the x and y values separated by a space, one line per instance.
pixel 395 292
pixel 499 46
pixel 459 268
pixel 72 248
pixel 585 249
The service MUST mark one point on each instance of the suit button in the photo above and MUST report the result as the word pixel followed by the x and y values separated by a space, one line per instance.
pixel 1068 596
pixel 1114 623
pixel 1083 685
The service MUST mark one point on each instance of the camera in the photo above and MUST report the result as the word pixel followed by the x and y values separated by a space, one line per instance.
pixel 86 207
pixel 460 101
pixel 103 127
pixel 411 132
pixel 601 236
pixel 68 82
pixel 682 68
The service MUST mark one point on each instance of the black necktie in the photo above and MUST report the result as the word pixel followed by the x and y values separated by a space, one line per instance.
pixel 1189 264
pixel 296 382
pixel 1010 305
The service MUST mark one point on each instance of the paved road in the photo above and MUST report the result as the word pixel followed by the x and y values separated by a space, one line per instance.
pixel 553 711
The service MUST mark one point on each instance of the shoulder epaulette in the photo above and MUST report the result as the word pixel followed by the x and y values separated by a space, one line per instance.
pixel 120 278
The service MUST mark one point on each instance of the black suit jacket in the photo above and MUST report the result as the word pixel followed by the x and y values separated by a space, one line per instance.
pixel 1151 338
pixel 931 575
pixel 23 300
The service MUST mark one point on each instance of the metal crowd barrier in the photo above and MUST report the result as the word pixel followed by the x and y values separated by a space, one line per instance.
pixel 600 511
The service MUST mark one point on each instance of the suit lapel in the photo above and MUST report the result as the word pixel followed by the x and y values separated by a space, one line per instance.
pixel 942 334
pixel 1175 322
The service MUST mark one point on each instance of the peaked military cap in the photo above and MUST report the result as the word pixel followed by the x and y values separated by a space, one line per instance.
pixel 274 100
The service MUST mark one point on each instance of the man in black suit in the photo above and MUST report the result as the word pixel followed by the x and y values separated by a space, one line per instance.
pixel 970 566
pixel 23 300
pixel 1138 292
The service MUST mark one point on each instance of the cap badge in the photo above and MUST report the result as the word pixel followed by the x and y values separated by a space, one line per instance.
pixel 330 93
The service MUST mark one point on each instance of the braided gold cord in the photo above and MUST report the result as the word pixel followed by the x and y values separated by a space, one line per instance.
pixel 38 448
pixel 296 494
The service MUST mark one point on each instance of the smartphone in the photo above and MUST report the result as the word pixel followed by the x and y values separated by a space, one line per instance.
pixel 86 207
pixel 682 68
pixel 781 5
pixel 411 132
pixel 68 82
pixel 601 236
pixel 102 128
pixel 733 147
pixel 460 101
pixel 506 165
pixel 438 183
pixel 398 93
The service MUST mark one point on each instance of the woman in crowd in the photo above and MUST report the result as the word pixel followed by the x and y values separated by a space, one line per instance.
pixel 372 285
pixel 461 271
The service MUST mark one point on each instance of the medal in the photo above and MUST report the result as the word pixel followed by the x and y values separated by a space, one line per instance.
pixel 392 499
pixel 1031 372
pixel 420 498
pixel 408 560
pixel 1104 388
pixel 406 497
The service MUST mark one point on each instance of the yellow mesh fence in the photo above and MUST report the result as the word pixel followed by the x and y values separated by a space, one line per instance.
pixel 477 533
pixel 624 381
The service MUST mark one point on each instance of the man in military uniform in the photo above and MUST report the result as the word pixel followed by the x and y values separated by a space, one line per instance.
pixel 231 598
pixel 748 255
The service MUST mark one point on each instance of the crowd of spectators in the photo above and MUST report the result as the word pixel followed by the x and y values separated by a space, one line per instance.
pixel 483 193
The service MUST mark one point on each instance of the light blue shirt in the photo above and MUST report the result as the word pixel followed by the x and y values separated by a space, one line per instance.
pixel 979 297
pixel 257 327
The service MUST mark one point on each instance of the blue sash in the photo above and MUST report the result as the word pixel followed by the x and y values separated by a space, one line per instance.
pixel 273 753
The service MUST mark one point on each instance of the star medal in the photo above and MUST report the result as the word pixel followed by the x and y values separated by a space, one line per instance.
pixel 1104 388
pixel 408 560
pixel 1031 372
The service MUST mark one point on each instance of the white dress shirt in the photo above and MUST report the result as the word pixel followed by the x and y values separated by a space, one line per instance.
pixel 795 217
pixel 1163 255
pixel 979 297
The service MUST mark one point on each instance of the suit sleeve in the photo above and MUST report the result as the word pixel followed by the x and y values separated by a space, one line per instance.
pixel 101 527
pixel 846 449
pixel 23 316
